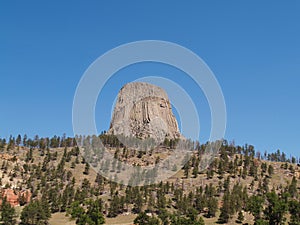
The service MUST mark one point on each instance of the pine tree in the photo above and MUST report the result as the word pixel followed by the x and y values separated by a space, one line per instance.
pixel 161 200
pixel 25 140
pixel 144 219
pixel 276 209
pixel 75 210
pixel 212 206
pixel 225 209
pixel 270 170
pixel 226 183
pixel 18 140
pixel 86 169
pixel 240 217
pixel 35 213
pixel 221 169
pixel 196 168
pixel 138 203
pixel 7 213
pixel 292 189
pixel 255 206
pixel 113 210
pixel 294 208
pixel 186 168
pixel 94 213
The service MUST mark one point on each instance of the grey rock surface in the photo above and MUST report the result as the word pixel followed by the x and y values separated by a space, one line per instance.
pixel 144 111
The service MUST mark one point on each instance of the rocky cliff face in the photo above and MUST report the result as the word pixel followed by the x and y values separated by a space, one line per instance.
pixel 144 111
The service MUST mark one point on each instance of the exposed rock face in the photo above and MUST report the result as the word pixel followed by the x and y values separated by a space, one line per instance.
pixel 13 196
pixel 143 110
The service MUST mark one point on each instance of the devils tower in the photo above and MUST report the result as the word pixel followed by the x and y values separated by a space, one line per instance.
pixel 143 111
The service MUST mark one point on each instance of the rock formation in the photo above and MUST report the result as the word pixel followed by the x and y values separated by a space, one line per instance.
pixel 144 111
pixel 13 196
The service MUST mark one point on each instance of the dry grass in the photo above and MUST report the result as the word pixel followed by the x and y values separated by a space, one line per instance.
pixel 121 219
pixel 60 218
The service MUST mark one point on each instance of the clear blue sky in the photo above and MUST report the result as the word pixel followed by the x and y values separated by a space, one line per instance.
pixel 253 48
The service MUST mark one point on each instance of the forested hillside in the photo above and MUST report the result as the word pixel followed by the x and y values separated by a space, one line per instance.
pixel 240 186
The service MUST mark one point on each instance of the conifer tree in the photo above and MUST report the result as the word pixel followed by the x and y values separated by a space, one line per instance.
pixel 240 217
pixel 7 213
pixel 225 209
